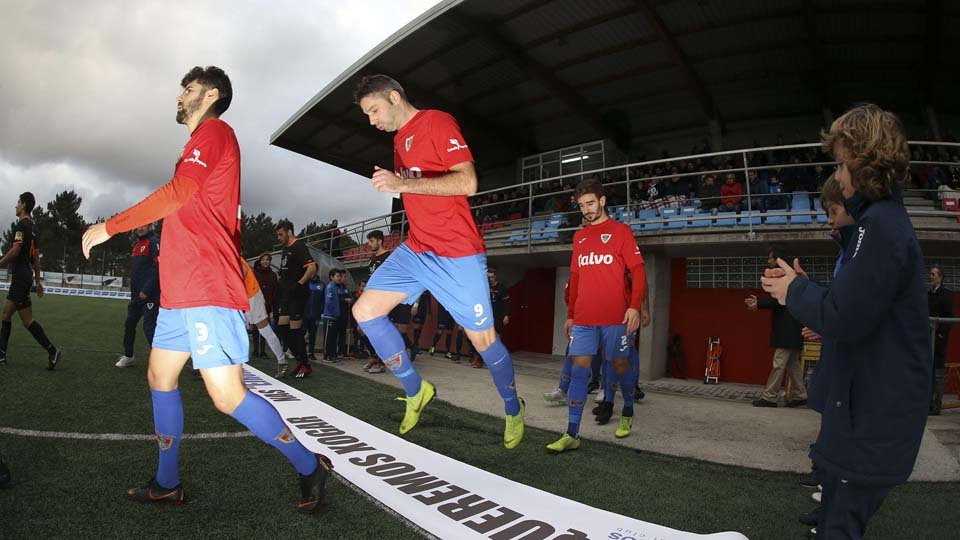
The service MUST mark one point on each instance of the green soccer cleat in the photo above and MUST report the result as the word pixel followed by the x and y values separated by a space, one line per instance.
pixel 415 406
pixel 513 433
pixel 626 422
pixel 564 443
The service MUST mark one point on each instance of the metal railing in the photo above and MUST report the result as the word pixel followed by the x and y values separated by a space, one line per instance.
pixel 524 204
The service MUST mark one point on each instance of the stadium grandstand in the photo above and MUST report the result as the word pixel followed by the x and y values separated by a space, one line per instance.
pixel 652 97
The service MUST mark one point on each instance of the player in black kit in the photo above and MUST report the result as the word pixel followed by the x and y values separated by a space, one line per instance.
pixel 23 256
pixel 380 254
pixel 297 267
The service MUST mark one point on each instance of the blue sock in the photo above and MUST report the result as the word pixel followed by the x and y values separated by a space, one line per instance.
pixel 628 384
pixel 168 425
pixel 579 377
pixel 388 343
pixel 265 422
pixel 498 362
pixel 565 374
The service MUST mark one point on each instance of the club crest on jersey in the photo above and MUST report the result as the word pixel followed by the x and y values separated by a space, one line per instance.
pixel 408 143
pixel 164 441
pixel 286 436
pixel 592 258
pixel 605 238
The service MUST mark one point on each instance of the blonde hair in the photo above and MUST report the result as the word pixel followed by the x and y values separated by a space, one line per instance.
pixel 879 156
pixel 832 193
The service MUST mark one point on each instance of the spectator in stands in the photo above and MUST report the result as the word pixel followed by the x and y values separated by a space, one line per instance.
pixel 877 398
pixel 940 303
pixel 709 194
pixel 776 198
pixel 334 239
pixel 267 279
pixel 787 342
pixel 758 190
pixel 678 186
pixel 731 194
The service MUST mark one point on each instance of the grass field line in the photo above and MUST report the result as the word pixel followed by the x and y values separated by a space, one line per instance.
pixel 117 436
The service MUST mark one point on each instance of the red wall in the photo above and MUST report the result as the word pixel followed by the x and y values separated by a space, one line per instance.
pixel 696 314
pixel 531 316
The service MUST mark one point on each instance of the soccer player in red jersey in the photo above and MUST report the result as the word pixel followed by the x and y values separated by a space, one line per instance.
pixel 599 315
pixel 202 303
pixel 444 253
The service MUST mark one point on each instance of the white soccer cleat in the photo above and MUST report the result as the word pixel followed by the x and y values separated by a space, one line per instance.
pixel 555 396
pixel 124 361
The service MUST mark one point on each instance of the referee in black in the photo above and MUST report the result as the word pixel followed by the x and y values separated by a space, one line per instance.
pixel 23 257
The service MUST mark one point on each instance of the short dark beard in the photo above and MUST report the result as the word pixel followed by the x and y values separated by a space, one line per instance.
pixel 187 109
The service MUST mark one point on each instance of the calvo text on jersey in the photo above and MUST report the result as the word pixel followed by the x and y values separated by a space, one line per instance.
pixel 594 258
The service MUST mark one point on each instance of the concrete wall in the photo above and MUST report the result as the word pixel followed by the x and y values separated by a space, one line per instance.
pixel 653 339
pixel 560 313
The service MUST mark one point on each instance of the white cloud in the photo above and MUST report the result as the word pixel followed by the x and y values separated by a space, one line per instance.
pixel 88 97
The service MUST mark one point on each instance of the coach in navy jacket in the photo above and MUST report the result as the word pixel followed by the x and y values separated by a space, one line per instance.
pixel 144 292
pixel 876 391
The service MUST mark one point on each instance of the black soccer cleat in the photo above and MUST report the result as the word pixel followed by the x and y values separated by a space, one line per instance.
pixel 313 487
pixel 638 394
pixel 5 476
pixel 3 358
pixel 605 412
pixel 152 493
pixel 54 358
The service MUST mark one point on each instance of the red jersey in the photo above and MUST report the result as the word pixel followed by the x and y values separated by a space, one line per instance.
pixel 597 290
pixel 429 145
pixel 200 244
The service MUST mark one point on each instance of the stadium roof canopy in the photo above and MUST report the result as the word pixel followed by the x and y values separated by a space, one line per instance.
pixel 524 76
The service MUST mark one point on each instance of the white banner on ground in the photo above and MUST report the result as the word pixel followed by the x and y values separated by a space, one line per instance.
pixel 67 291
pixel 447 498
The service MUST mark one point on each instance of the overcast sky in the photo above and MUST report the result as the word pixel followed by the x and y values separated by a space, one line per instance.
pixel 87 96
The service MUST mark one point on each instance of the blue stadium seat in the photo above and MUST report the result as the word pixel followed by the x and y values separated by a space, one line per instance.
pixel 726 219
pixel 801 220
pixel 801 201
pixel 747 217
pixel 821 217
pixel 698 219
pixel 671 213
pixel 776 220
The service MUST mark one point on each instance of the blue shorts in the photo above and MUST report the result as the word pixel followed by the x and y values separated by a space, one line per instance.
pixel 588 340
pixel 458 283
pixel 214 336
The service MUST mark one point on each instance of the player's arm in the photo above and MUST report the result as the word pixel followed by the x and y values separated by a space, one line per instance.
pixel 506 306
pixel 158 205
pixel 13 251
pixel 461 180
pixel 311 270
pixel 638 288
pixel 572 287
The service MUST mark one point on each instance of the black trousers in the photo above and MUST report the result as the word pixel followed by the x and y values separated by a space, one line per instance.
pixel 847 507
pixel 333 336
pixel 137 309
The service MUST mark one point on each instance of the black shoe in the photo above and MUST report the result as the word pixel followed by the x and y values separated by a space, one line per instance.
pixel 313 487
pixel 604 412
pixel 3 358
pixel 809 480
pixel 934 411
pixel 638 394
pixel 54 358
pixel 153 493
pixel 764 403
pixel 794 403
pixel 812 534
pixel 4 474
pixel 592 387
pixel 810 518
pixel 311 357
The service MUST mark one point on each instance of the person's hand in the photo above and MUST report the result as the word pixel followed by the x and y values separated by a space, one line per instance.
pixel 506 320
pixel 142 296
pixel 645 317
pixel 778 286
pixel 386 181
pixel 810 335
pixel 632 319
pixel 96 234
pixel 751 302
pixel 39 289
pixel 567 326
